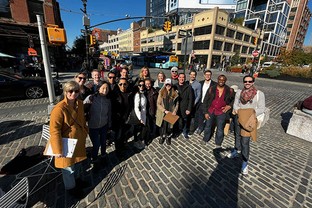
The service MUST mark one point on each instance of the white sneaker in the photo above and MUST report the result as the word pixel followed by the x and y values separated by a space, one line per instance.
pixel 245 168
pixel 233 154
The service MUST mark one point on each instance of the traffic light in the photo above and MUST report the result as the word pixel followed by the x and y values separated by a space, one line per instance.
pixel 167 26
pixel 255 40
pixel 92 40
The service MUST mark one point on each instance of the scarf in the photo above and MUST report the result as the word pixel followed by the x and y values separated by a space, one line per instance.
pixel 247 95
pixel 174 77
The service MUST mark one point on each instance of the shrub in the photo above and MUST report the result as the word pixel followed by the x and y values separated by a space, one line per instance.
pixel 297 71
pixel 273 72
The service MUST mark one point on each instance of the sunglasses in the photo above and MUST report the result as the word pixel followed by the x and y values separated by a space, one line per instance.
pixel 248 81
pixel 141 85
pixel 174 71
pixel 111 77
pixel 82 78
pixel 71 91
pixel 122 84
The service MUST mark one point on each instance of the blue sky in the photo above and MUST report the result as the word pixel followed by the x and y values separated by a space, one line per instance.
pixel 102 11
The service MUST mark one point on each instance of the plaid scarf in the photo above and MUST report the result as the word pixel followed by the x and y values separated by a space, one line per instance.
pixel 247 95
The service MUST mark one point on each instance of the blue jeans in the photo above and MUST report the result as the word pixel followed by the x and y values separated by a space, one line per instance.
pixel 98 138
pixel 69 175
pixel 220 123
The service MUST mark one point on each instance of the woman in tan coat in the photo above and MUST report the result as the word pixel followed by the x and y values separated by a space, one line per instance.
pixel 167 102
pixel 68 121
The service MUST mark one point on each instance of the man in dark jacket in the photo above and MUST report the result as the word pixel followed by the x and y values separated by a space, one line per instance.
pixel 151 95
pixel 206 84
pixel 186 102
pixel 218 100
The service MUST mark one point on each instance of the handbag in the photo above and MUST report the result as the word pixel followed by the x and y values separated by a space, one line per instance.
pixel 263 117
pixel 133 119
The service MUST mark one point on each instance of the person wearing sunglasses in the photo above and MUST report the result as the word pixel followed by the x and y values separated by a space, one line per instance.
pixel 81 79
pixel 252 101
pixel 174 75
pixel 140 131
pixel 120 110
pixel 217 103
pixel 68 121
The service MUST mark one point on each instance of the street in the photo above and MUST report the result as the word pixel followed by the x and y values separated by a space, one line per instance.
pixel 185 174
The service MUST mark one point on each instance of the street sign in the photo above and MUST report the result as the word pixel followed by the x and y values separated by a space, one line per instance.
pixel 255 53
pixel 182 33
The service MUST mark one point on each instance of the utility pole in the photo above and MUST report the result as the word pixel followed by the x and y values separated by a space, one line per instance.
pixel 185 52
pixel 86 23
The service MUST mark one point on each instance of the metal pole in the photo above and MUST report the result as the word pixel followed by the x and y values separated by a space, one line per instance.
pixel 186 37
pixel 84 2
pixel 46 63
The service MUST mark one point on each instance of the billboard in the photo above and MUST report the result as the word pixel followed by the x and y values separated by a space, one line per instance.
pixel 200 4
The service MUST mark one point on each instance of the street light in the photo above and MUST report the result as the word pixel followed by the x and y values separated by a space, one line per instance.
pixel 86 24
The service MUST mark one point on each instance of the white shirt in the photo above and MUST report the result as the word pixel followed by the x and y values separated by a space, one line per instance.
pixel 140 114
pixel 205 88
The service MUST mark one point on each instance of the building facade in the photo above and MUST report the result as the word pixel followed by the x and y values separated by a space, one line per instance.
pixel 19 29
pixel 270 17
pixel 298 24
pixel 214 39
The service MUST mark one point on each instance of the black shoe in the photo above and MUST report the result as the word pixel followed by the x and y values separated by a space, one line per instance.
pixel 168 140
pixel 76 192
pixel 162 140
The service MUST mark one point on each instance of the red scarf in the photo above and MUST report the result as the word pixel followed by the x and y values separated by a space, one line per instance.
pixel 174 77
pixel 247 95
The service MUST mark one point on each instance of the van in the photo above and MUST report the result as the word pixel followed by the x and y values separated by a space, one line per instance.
pixel 268 64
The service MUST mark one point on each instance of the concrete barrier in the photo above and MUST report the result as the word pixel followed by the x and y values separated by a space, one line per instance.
pixel 300 125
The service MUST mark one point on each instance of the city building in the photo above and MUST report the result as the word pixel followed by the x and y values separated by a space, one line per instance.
pixel 270 17
pixel 213 39
pixel 102 35
pixel 181 11
pixel 19 28
pixel 298 24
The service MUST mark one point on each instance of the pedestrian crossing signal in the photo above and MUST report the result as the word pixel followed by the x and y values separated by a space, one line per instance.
pixel 255 40
pixel 167 26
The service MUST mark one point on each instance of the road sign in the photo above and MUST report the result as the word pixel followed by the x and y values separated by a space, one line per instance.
pixel 255 53
pixel 182 33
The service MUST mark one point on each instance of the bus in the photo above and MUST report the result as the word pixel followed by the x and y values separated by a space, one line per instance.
pixel 164 61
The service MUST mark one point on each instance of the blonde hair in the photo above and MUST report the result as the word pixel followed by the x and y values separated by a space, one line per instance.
pixel 70 85
pixel 141 72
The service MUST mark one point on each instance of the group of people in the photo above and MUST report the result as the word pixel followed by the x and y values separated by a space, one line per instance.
pixel 103 107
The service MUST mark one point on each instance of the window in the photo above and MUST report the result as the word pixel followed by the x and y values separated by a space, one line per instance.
pixel 202 30
pixel 230 33
pixel 237 48
pixel 239 36
pixel 35 7
pixel 247 38
pixel 201 45
pixel 217 45
pixel 244 49
pixel 5 10
pixel 228 46
pixel 220 30
pixel 179 47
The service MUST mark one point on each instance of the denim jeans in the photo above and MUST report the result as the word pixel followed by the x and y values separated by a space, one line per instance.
pixel 69 175
pixel 241 143
pixel 98 138
pixel 185 125
pixel 220 123
pixel 237 135
pixel 200 118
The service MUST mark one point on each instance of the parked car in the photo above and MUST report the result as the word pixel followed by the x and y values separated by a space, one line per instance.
pixel 268 64
pixel 15 85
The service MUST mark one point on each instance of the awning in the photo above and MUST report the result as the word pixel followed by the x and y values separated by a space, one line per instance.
pixel 6 55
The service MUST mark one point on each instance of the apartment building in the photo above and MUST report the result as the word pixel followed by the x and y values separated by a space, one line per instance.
pixel 298 24
pixel 215 39
pixel 270 16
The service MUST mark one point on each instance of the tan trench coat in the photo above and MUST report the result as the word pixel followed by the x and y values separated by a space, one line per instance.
pixel 66 122
pixel 160 113
pixel 248 120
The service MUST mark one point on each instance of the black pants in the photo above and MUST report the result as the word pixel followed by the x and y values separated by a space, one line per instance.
pixel 200 118
pixel 165 129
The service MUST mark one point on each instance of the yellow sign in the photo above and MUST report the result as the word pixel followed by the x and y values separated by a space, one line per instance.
pixel 173 59
pixel 57 35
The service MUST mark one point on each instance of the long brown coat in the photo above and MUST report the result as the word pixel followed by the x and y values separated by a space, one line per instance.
pixel 66 122
pixel 248 120
pixel 160 113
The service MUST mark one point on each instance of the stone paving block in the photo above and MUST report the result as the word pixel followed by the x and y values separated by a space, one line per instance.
pixel 152 200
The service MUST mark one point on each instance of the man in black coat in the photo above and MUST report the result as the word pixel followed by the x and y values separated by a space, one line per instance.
pixel 206 84
pixel 186 102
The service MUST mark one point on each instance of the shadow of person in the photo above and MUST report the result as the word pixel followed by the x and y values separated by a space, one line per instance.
pixel 222 187
pixel 285 120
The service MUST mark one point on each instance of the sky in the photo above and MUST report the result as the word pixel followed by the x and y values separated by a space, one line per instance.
pixel 103 10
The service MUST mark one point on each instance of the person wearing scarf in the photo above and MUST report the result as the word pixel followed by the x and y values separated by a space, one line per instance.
pixel 247 98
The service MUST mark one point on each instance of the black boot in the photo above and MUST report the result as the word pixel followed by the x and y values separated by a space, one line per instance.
pixel 162 139
pixel 168 140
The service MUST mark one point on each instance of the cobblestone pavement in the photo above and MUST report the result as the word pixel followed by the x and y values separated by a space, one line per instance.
pixel 185 174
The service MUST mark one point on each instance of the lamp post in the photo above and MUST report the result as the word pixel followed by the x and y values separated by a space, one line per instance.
pixel 86 24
